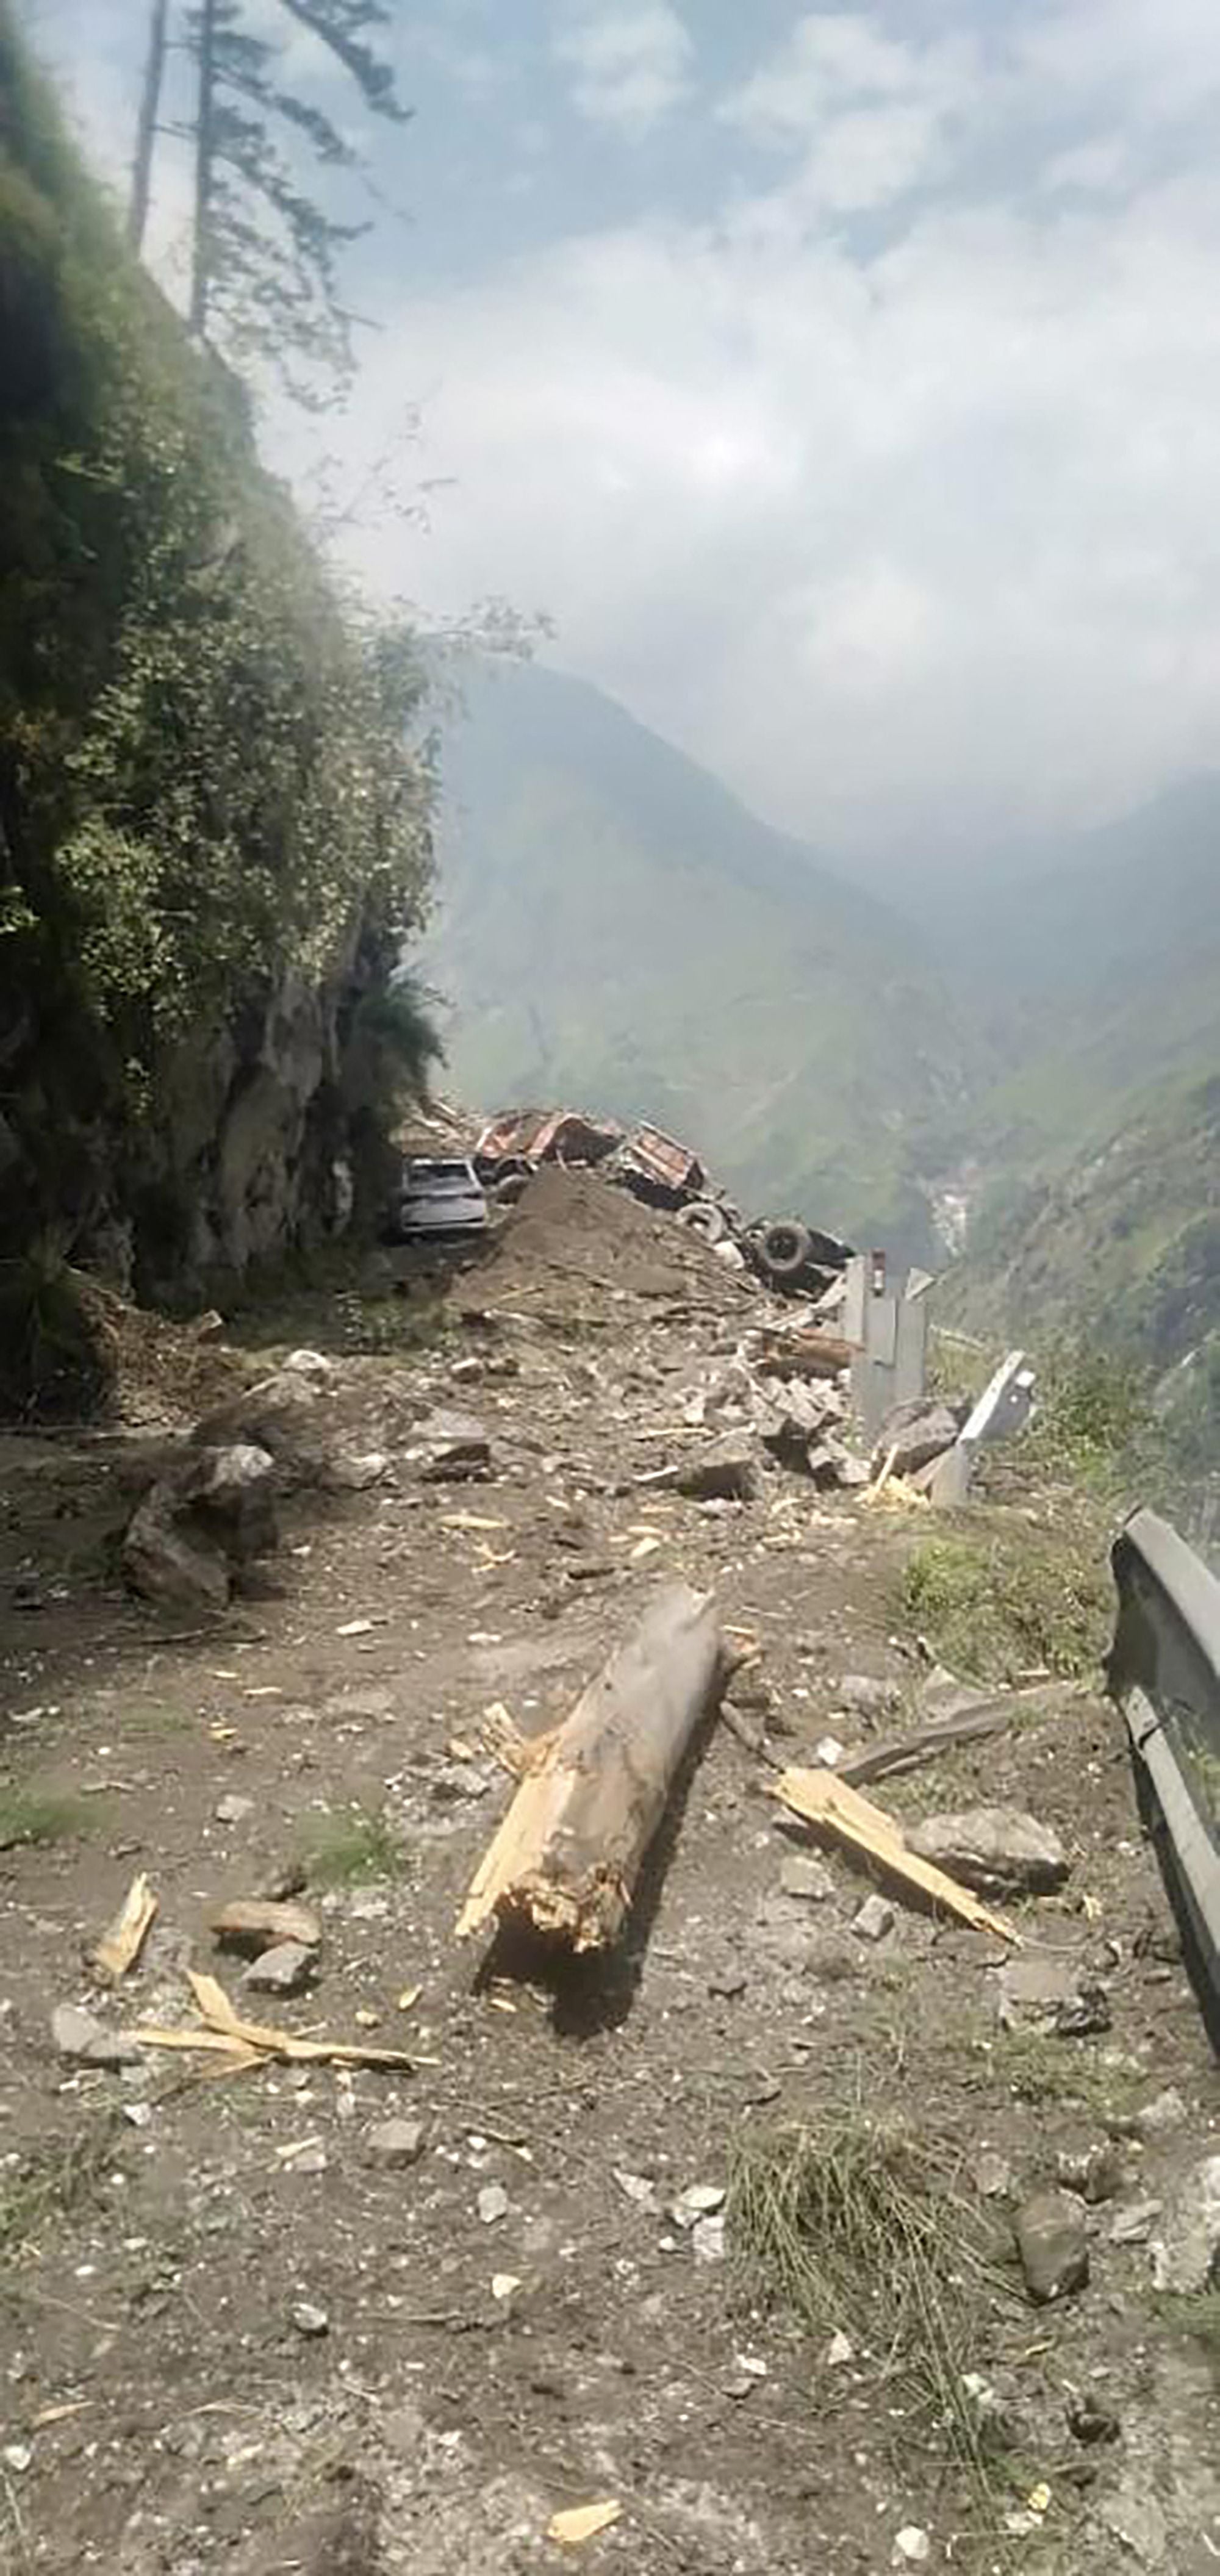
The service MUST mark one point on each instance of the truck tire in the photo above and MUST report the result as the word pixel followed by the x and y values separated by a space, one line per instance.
pixel 704 1218
pixel 782 1252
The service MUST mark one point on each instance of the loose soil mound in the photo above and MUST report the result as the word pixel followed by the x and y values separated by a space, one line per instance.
pixel 572 1236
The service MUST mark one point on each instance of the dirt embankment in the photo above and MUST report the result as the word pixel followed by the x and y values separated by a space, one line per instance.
pixel 390 2323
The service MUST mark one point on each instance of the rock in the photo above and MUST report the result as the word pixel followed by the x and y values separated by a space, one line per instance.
pixel 805 1879
pixel 919 1431
pixel 313 1365
pixel 396 2143
pixel 450 1447
pixel 162 1563
pixel 450 1781
pixel 78 2035
pixel 1033 1985
pixel 998 1850
pixel 1134 2224
pixel 991 2174
pixel 1096 2174
pixel 1053 2246
pixel 839 2352
pixel 353 1471
pixel 699 2200
pixel 285 1970
pixel 284 1415
pixel 493 2203
pixel 726 1471
pixel 707 2240
pixel 1086 2013
pixel 254 1924
pixel 200 1525
pixel 1160 2117
pixel 310 2159
pixel 233 1810
pixel 865 1696
pixel 727 1982
pixel 1089 2421
pixel 874 1919
pixel 912 2547
pixel 310 2320
pixel 1186 2257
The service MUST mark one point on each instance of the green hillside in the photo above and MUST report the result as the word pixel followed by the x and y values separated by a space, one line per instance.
pixel 616 930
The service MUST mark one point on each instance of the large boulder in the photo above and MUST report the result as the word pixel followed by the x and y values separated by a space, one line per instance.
pixel 917 1432
pixel 998 1850
pixel 200 1526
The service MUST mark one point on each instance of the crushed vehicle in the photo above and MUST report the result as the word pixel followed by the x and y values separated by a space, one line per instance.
pixel 795 1259
pixel 440 1197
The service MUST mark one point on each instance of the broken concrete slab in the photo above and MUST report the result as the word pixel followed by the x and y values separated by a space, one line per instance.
pixel 1001 1851
pixel 1053 2244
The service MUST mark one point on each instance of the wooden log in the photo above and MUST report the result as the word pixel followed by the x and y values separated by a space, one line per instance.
pixel 567 1856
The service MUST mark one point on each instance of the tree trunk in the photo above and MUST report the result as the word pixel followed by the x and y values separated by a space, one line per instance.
pixel 150 100
pixel 205 146
pixel 566 1858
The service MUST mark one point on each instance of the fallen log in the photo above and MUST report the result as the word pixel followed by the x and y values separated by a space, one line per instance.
pixel 566 1858
pixel 831 1804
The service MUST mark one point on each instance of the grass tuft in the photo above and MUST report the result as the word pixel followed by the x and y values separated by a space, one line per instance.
pixel 352 1848
pixel 1011 1600
pixel 56 2178
pixel 28 1816
pixel 851 2227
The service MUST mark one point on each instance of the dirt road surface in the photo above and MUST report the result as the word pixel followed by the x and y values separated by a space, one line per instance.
pixel 241 2330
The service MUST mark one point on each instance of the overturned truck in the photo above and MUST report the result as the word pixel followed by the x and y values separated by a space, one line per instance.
pixel 796 1259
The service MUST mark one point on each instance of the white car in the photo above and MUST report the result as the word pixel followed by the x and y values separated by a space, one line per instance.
pixel 441 1197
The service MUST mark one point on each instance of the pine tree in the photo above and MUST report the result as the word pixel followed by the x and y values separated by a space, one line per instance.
pixel 264 280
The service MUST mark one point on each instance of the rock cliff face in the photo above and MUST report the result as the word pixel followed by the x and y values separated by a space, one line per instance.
pixel 251 1148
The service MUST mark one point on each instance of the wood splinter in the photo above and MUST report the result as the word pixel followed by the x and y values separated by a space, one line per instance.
pixel 566 1858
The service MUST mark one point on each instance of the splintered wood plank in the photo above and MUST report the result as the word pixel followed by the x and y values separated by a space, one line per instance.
pixel 120 1946
pixel 831 1804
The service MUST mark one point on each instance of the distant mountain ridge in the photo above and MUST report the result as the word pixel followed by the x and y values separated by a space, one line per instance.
pixel 617 930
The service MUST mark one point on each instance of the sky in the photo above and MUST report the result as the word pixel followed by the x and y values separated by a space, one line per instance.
pixel 843 383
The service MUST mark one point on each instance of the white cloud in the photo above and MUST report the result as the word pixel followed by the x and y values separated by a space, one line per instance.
pixel 630 63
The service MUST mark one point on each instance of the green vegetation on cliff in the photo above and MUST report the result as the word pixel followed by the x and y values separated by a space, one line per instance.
pixel 213 839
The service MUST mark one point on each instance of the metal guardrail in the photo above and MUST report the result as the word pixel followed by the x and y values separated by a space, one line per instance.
pixel 1164 1672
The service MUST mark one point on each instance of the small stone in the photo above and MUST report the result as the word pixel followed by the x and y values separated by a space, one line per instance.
pixel 453 1446
pixel 699 2200
pixel 991 2174
pixel 636 2187
pixel 1053 2246
pixel 727 1471
pixel 286 1970
pixel 912 2547
pixel 1089 2421
pixel 17 2456
pixel 707 2240
pixel 829 1751
pixel 804 1878
pixel 1097 2173
pixel 352 1472
pixel 874 1920
pixel 79 2035
pixel 999 1850
pixel 395 2143
pixel 308 1364
pixel 727 1982
pixel 1186 2259
pixel 865 1696
pixel 309 2320
pixel 493 2203
pixel 839 2352
pixel 1161 2116
pixel 1134 2224
pixel 450 1781
pixel 233 1810
pixel 311 2160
